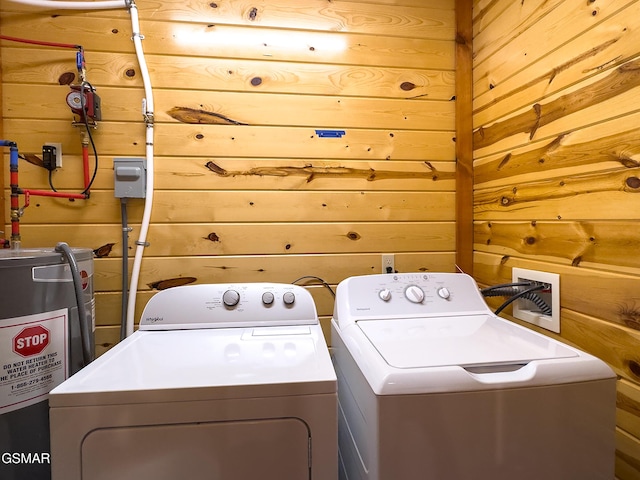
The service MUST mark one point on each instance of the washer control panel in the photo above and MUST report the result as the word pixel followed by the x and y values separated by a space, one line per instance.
pixel 404 295
pixel 229 305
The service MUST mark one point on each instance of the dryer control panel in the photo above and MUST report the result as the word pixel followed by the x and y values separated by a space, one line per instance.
pixel 404 295
pixel 229 305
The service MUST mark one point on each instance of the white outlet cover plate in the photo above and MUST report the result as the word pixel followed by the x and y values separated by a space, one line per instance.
pixel 552 322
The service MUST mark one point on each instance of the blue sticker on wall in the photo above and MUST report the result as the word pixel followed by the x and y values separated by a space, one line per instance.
pixel 330 133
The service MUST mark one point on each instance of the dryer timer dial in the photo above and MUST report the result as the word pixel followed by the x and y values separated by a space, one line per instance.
pixel 289 298
pixel 230 298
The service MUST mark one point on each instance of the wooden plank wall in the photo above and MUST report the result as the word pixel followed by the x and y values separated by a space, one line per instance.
pixel 557 172
pixel 246 190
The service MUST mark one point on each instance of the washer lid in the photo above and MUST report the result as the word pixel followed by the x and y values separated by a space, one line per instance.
pixel 474 340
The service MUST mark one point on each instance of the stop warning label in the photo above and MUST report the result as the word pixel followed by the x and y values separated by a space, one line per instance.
pixel 31 341
pixel 33 358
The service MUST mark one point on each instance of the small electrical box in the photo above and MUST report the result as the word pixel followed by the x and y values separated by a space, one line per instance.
pixel 130 177
pixel 52 156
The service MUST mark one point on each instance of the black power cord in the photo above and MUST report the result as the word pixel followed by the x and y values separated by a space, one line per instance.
pixel 513 291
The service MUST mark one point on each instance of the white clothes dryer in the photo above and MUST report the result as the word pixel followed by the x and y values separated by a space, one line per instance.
pixel 225 381
pixel 433 386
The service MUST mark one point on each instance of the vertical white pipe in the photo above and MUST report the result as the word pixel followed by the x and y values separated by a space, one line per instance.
pixel 146 216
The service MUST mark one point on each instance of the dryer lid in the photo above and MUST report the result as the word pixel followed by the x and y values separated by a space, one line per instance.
pixel 473 340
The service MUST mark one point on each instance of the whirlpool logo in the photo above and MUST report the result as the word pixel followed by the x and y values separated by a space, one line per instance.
pixel 18 458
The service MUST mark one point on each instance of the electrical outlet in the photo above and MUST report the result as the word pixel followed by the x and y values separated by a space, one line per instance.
pixel 58 152
pixel 527 310
pixel 388 263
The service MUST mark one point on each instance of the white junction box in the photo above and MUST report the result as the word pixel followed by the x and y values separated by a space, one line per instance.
pixel 526 310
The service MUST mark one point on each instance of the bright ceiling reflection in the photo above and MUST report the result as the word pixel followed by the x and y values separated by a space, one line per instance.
pixel 264 40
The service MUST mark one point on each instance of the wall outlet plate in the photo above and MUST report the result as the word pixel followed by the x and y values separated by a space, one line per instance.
pixel 526 310
pixel 388 263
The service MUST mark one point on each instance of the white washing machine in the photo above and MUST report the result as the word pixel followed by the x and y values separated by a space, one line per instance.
pixel 220 382
pixel 433 386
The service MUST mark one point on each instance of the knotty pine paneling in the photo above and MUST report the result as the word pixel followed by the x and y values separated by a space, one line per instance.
pixel 211 141
pixel 176 239
pixel 607 244
pixel 246 190
pixel 612 42
pixel 556 159
pixel 171 206
pixel 234 75
pixel 532 32
pixel 604 146
pixel 221 40
pixel 183 173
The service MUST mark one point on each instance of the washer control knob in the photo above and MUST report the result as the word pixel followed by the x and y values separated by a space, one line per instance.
pixel 288 298
pixel 414 294
pixel 267 298
pixel 230 298
pixel 385 294
pixel 443 292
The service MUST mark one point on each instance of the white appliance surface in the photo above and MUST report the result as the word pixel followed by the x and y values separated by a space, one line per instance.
pixel 214 371
pixel 432 384
pixel 459 340
pixel 173 363
pixel 433 332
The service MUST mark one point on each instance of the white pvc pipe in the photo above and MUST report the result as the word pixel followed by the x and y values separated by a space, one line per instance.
pixel 148 202
pixel 71 5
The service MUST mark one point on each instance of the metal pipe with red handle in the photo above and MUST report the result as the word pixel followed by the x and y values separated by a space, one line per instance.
pixel 15 195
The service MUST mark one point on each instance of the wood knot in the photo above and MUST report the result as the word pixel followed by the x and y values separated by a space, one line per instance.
pixel 104 250
pixel 504 201
pixel 66 78
pixel 353 236
pixel 530 240
pixel 199 136
pixel 634 367
pixel 172 282
pixel 407 86
pixel 253 14
pixel 630 316
pixel 576 261
pixel 504 161
pixel 130 73
pixel 255 81
pixel 633 182
pixel 213 237
pixel 215 168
